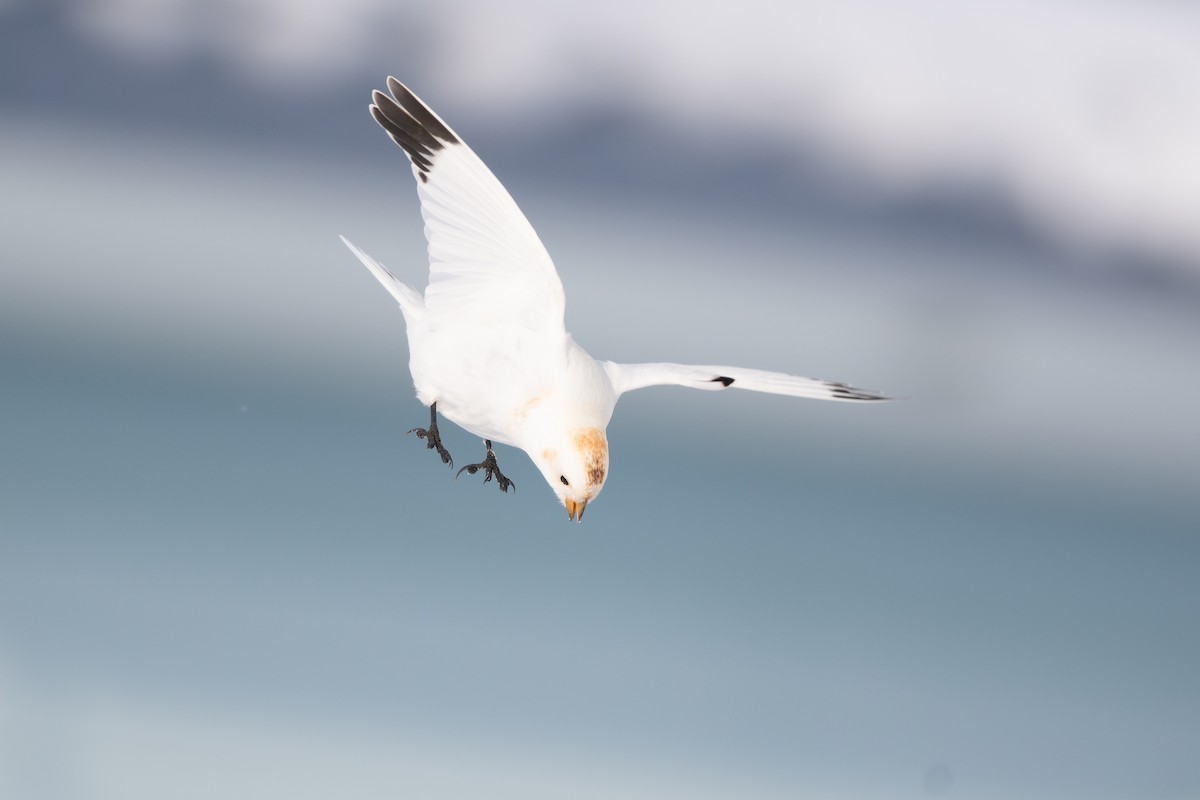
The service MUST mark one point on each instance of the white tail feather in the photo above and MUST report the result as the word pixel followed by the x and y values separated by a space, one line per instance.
pixel 410 299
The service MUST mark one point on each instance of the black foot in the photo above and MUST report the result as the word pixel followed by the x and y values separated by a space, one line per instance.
pixel 491 470
pixel 432 440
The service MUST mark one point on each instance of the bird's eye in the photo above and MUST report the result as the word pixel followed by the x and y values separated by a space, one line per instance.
pixel 563 478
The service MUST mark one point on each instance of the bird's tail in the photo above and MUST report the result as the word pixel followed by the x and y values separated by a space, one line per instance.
pixel 410 300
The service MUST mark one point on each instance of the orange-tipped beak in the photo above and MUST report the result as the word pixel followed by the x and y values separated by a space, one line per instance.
pixel 575 510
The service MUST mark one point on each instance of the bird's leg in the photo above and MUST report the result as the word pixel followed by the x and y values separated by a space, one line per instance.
pixel 432 440
pixel 488 465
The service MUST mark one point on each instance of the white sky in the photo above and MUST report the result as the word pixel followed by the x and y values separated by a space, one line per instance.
pixel 1086 115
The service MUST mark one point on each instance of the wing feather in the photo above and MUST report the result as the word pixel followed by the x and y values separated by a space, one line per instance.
pixel 627 377
pixel 486 260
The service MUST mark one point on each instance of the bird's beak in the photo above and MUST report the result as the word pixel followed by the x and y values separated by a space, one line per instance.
pixel 575 510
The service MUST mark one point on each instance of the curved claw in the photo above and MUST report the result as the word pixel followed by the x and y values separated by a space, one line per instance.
pixel 433 442
pixel 491 470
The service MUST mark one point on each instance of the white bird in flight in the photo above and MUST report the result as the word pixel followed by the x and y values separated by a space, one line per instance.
pixel 488 346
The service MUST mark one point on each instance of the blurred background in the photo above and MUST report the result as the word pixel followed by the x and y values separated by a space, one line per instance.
pixel 225 571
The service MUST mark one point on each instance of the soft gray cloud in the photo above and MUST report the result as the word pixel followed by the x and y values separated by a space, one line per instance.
pixel 1082 115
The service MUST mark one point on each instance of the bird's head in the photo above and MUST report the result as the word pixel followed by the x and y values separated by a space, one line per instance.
pixel 575 466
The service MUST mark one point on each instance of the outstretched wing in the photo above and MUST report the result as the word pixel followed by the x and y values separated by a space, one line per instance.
pixel 486 263
pixel 627 377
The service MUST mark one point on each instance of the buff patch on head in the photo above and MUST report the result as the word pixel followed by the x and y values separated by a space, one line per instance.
pixel 593 446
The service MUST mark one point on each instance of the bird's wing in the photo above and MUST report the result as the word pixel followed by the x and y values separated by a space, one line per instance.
pixel 486 263
pixel 627 377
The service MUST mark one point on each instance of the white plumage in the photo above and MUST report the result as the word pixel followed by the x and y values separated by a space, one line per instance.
pixel 487 343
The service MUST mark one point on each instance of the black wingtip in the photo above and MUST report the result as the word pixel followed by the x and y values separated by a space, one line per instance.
pixel 723 380
pixel 842 391
pixel 411 124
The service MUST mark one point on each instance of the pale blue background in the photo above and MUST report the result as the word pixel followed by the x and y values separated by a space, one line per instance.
pixel 226 572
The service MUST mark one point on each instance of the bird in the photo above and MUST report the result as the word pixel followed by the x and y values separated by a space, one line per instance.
pixel 487 339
